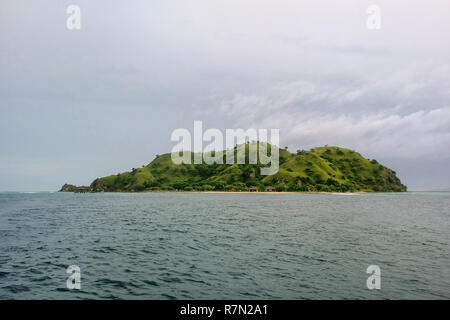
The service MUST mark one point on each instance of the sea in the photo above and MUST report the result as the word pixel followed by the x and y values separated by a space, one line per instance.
pixel 224 246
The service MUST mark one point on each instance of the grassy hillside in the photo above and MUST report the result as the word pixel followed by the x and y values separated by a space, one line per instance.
pixel 319 169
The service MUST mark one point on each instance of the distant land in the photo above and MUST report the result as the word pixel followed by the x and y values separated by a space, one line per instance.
pixel 322 169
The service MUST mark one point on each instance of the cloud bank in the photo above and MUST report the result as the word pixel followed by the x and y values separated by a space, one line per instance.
pixel 75 105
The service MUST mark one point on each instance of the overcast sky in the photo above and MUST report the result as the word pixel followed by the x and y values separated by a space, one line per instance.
pixel 80 104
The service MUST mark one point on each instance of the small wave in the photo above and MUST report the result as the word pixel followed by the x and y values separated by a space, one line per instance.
pixel 17 288
pixel 42 279
pixel 151 283
pixel 345 194
pixel 113 283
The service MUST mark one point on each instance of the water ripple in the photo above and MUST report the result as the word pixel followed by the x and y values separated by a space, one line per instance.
pixel 213 246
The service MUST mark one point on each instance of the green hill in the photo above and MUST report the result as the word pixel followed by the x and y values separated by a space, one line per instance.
pixel 331 169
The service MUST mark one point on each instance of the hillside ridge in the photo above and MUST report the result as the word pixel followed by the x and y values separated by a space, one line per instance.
pixel 323 169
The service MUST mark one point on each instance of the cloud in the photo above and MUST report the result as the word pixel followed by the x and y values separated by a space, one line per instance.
pixel 113 91
pixel 359 115
pixel 416 135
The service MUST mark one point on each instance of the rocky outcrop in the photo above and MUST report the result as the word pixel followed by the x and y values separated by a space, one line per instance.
pixel 72 188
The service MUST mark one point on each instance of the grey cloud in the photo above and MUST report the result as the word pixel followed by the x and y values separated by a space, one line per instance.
pixel 107 97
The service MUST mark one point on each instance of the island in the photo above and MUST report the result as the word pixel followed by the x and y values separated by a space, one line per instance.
pixel 321 169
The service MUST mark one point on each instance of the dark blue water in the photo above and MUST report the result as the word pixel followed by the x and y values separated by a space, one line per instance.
pixel 230 246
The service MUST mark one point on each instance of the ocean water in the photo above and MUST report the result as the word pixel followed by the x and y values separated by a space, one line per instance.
pixel 224 246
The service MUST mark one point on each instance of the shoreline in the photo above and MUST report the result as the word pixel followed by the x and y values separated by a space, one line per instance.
pixel 262 192
pixel 236 192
